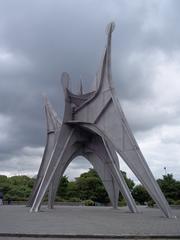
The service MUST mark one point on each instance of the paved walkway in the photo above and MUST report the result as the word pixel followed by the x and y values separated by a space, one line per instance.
pixel 67 238
pixel 87 221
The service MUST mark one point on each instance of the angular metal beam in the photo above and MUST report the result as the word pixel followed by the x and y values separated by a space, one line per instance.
pixel 53 126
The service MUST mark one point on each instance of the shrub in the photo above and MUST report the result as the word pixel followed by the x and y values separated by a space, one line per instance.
pixel 170 201
pixel 60 199
pixel 177 202
pixel 122 203
pixel 74 199
pixel 88 202
pixel 150 203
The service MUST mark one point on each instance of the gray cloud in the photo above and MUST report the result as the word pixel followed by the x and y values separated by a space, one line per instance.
pixel 41 39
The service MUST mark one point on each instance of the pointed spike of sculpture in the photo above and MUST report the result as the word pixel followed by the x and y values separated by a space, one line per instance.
pixel 52 113
pixel 104 74
pixel 65 80
pixel 110 28
pixel 81 87
pixel 96 122
pixel 45 98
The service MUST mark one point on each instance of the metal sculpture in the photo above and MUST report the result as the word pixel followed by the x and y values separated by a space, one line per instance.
pixel 95 127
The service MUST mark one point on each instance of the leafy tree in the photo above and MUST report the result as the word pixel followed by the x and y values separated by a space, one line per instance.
pixel 3 179
pixel 4 184
pixel 130 184
pixel 170 187
pixel 5 187
pixel 73 191
pixel 62 188
pixel 90 187
pixel 140 194
pixel 16 187
pixel 87 187
pixel 129 181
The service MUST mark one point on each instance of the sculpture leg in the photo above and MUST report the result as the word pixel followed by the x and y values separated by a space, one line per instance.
pixel 124 142
pixel 107 153
pixel 133 157
pixel 53 124
pixel 65 139
pixel 111 186
pixel 59 173
pixel 45 160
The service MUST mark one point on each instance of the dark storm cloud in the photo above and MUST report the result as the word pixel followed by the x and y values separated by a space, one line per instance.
pixel 41 39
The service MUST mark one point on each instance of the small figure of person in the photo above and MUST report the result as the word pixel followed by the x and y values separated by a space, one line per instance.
pixel 9 201
pixel 1 198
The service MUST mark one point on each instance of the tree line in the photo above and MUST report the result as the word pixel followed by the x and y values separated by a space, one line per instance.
pixel 87 188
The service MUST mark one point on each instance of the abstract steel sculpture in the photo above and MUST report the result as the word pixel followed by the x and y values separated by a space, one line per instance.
pixel 95 127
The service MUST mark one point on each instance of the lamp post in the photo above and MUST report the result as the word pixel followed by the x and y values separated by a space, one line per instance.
pixel 165 171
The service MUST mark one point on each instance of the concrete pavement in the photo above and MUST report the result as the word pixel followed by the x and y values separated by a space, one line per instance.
pixel 87 222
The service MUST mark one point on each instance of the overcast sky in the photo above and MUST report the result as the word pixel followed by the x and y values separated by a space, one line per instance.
pixel 40 39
